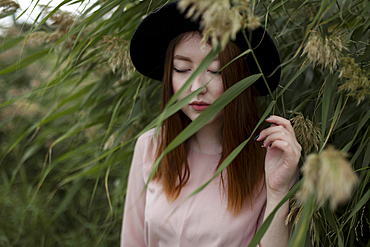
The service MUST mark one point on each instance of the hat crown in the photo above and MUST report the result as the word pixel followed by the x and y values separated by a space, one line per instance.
pixel 153 35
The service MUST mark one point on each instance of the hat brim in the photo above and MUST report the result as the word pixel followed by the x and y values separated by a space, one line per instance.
pixel 152 37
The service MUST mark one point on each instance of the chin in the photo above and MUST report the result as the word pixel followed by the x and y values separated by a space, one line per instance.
pixel 216 119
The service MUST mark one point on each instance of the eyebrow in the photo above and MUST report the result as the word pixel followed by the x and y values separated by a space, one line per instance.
pixel 188 59
pixel 180 57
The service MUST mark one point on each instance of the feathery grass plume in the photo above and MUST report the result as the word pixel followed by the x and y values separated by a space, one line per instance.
pixel 311 172
pixel 329 176
pixel 308 134
pixel 356 82
pixel 38 38
pixel 8 6
pixel 220 19
pixel 62 21
pixel 119 55
pixel 324 50
pixel 250 21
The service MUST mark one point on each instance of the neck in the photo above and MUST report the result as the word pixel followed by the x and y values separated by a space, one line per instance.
pixel 208 139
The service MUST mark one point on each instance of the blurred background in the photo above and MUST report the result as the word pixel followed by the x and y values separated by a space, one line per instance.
pixel 72 106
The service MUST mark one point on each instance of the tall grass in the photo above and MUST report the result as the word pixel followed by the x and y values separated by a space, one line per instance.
pixel 71 107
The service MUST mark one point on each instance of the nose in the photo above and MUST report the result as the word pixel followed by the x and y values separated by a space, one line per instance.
pixel 199 81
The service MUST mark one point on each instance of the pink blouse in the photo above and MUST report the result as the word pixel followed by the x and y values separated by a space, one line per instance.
pixel 203 220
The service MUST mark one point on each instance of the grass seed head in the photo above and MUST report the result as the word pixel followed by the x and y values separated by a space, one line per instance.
pixel 325 51
pixel 337 178
pixel 220 19
pixel 311 172
pixel 119 56
pixel 8 6
pixel 62 21
pixel 308 134
pixel 328 175
pixel 252 22
pixel 356 83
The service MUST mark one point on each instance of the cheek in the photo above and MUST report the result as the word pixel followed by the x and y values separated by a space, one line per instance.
pixel 176 86
pixel 219 89
pixel 219 92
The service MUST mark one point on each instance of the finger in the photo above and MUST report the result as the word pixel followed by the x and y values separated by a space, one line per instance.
pixel 281 121
pixel 289 152
pixel 271 130
pixel 282 136
pixel 277 129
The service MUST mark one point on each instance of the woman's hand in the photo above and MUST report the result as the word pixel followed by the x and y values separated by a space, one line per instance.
pixel 283 154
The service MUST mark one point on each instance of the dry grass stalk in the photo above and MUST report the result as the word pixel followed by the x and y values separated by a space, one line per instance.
pixel 109 143
pixel 8 6
pixel 361 223
pixel 221 19
pixel 324 50
pixel 356 82
pixel 295 211
pixel 329 176
pixel 309 10
pixel 308 134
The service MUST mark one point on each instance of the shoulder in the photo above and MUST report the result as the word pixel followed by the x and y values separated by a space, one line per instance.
pixel 147 136
pixel 146 139
pixel 146 145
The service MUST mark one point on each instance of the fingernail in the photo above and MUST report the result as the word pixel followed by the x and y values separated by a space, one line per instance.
pixel 257 137
pixel 267 117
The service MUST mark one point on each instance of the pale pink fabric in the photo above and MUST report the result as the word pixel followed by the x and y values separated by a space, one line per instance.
pixel 149 220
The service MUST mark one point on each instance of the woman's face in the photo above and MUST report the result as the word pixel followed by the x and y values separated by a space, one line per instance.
pixel 187 56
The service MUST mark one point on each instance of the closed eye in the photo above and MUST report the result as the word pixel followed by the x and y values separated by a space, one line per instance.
pixel 180 71
pixel 212 72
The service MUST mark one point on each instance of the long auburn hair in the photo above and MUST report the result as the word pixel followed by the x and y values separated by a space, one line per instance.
pixel 245 173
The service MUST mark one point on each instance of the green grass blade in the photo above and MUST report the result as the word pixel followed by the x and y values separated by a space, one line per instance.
pixel 25 62
pixel 234 153
pixel 326 105
pixel 300 232
pixel 205 116
pixel 52 12
pixel 298 73
pixel 11 43
pixel 363 121
pixel 265 225
pixel 358 206
pixel 67 199
pixel 202 66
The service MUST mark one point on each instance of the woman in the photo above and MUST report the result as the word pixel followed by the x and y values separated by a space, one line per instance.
pixel 166 46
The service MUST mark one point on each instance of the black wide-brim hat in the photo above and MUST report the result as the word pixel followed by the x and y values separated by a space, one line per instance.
pixel 152 37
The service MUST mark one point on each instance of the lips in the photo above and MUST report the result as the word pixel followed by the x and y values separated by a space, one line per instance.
pixel 199 105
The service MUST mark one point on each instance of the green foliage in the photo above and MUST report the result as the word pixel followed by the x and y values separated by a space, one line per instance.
pixel 71 107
